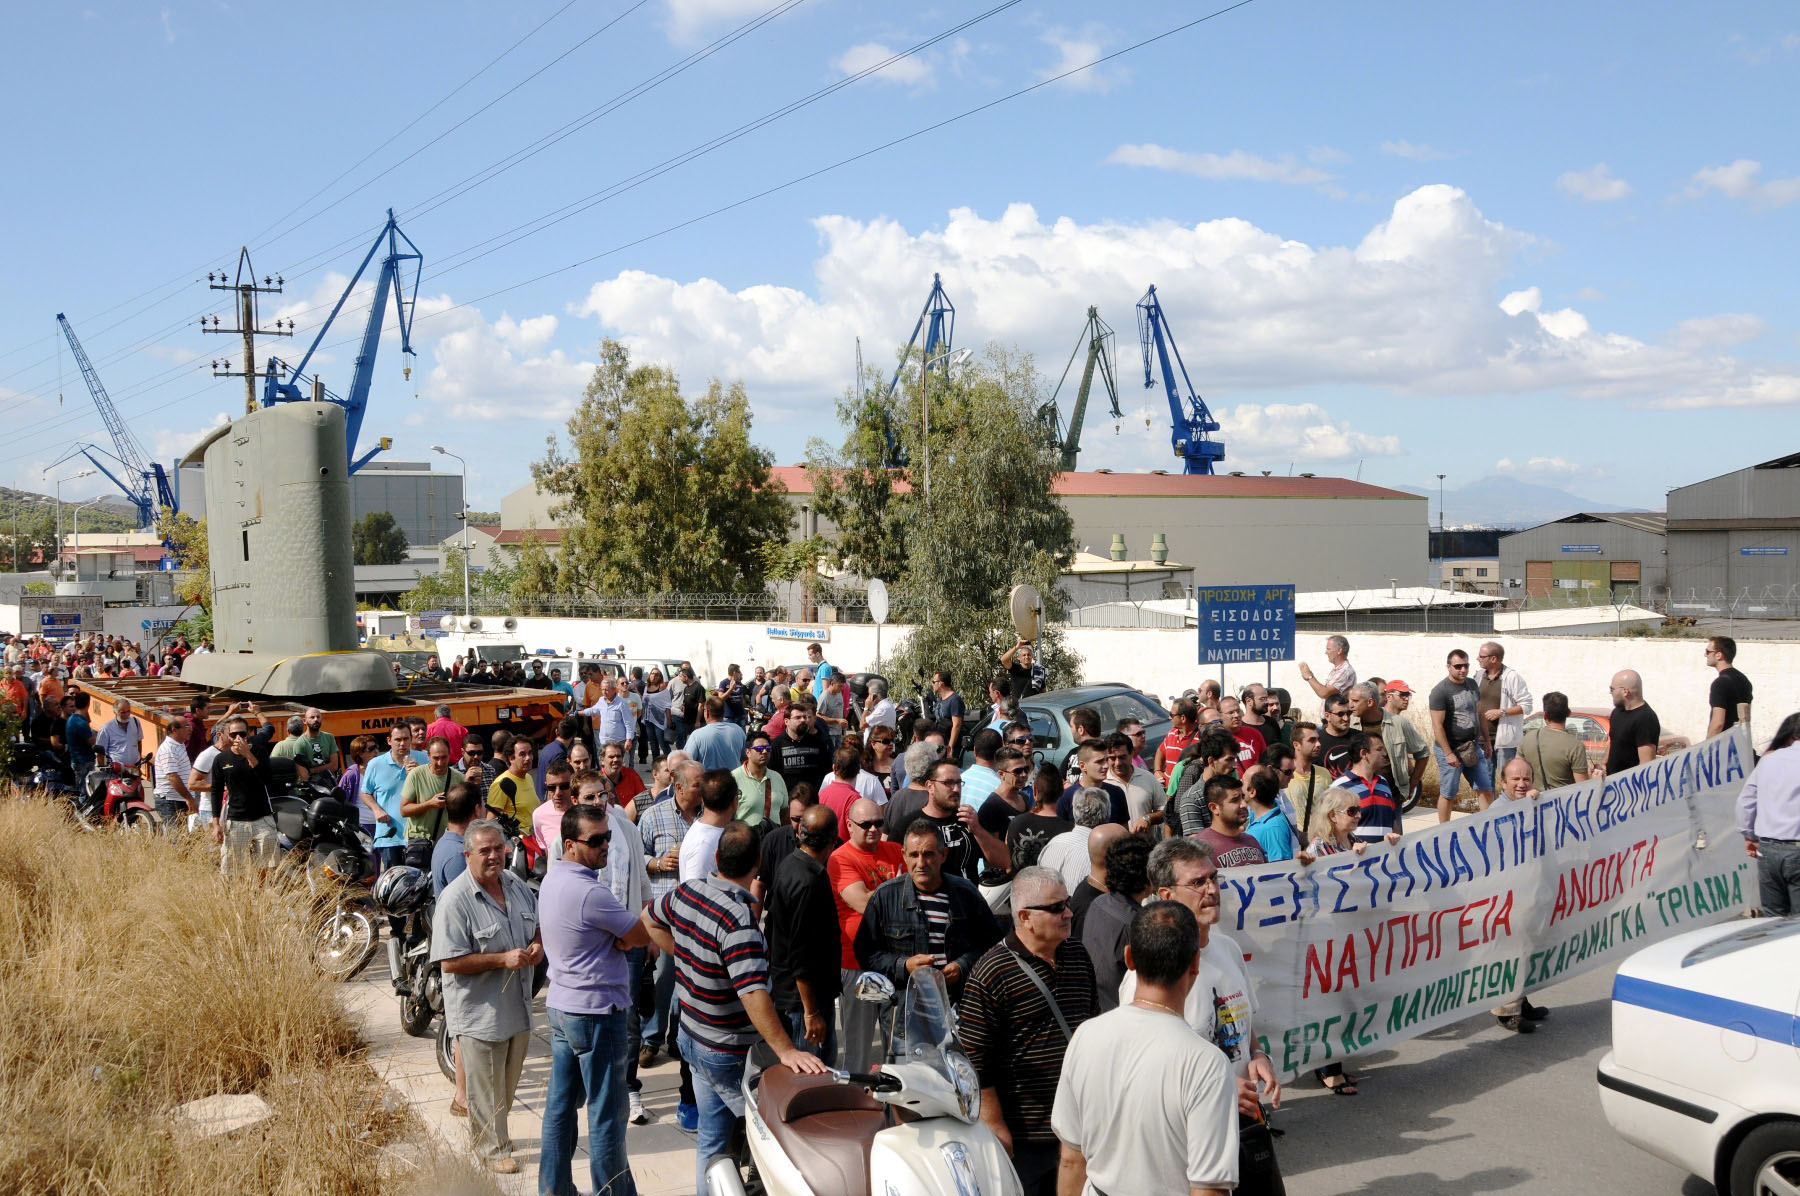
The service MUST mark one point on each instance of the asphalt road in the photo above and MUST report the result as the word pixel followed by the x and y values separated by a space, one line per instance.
pixel 1472 1109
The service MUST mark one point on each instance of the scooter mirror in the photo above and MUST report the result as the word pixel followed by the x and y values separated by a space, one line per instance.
pixel 874 988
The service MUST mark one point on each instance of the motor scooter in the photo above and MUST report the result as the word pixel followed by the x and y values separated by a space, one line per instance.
pixel 114 795
pixel 912 1127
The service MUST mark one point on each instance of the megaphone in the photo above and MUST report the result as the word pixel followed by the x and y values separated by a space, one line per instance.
pixel 448 623
pixel 473 623
pixel 509 623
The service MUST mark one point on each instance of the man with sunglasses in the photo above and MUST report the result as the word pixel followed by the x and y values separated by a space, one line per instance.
pixel 475 763
pixel 1456 735
pixel 804 977
pixel 1024 998
pixel 240 778
pixel 1335 730
pixel 762 792
pixel 863 864
pixel 1221 1005
pixel 586 933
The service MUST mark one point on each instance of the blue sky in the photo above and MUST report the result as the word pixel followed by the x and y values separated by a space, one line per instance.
pixel 1546 240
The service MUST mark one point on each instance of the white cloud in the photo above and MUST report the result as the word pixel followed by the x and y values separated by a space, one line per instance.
pixel 1760 53
pixel 688 18
pixel 1544 467
pixel 503 370
pixel 1075 50
pixel 1595 184
pixel 1236 165
pixel 169 444
pixel 913 70
pixel 1297 432
pixel 1417 306
pixel 1740 181
pixel 1715 332
pixel 1417 152
pixel 168 26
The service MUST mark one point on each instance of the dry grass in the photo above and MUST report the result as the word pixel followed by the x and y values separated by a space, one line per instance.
pixel 133 979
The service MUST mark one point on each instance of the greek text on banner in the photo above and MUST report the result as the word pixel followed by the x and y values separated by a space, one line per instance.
pixel 1356 952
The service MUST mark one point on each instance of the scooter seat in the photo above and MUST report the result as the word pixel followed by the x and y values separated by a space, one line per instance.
pixel 825 1128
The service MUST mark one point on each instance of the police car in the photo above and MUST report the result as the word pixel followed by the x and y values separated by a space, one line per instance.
pixel 1705 1066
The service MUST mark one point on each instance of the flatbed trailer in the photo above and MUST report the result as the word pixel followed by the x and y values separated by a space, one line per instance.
pixel 158 702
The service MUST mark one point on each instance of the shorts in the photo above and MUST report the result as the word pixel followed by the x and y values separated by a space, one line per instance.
pixel 1451 773
pixel 246 841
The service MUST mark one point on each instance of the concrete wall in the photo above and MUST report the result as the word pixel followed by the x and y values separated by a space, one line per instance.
pixel 1231 541
pixel 1163 661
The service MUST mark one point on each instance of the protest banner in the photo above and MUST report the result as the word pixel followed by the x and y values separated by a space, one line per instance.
pixel 1358 952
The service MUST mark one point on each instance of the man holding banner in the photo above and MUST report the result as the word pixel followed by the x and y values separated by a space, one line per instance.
pixel 1221 1005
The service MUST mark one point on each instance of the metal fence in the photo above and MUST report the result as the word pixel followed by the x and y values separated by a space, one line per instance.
pixel 783 601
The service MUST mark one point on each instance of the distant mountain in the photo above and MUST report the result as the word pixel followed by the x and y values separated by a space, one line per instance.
pixel 1496 501
pixel 111 512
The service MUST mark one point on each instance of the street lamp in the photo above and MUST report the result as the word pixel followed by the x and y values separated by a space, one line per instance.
pixel 75 547
pixel 438 448
pixel 956 357
pixel 85 473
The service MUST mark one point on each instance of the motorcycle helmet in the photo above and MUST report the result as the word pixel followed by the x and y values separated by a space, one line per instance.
pixel 402 890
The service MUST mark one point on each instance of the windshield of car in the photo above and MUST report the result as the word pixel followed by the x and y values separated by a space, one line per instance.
pixel 1763 930
pixel 929 1024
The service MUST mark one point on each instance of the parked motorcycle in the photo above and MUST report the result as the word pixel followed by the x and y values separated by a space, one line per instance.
pixel 113 795
pixel 40 769
pixel 405 893
pixel 811 1135
pixel 327 840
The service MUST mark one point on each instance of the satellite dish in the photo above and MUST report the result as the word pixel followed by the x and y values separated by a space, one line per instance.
pixel 1027 611
pixel 878 600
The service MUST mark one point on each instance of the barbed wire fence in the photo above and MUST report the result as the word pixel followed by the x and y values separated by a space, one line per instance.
pixel 781 601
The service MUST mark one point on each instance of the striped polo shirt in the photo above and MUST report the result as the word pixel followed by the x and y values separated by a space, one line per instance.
pixel 719 955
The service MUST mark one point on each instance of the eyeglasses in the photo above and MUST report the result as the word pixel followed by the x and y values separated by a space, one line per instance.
pixel 1457 667
pixel 595 841
pixel 1016 772
pixel 564 787
pixel 1209 881
pixel 1023 741
pixel 1344 713
pixel 870 825
pixel 236 735
pixel 472 753
pixel 1055 907
pixel 759 747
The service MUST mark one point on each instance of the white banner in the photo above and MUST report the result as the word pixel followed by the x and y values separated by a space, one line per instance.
pixel 1359 952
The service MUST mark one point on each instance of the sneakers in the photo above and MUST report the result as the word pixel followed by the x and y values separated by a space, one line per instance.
pixel 687 1117
pixel 647 1057
pixel 639 1114
pixel 1517 1023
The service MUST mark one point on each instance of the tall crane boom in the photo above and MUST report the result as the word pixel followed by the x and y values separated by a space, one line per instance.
pixel 1097 340
pixel 1191 421
pixel 938 320
pixel 388 280
pixel 149 487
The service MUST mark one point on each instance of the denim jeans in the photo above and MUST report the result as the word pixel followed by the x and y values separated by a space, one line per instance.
pixel 718 1091
pixel 656 1030
pixel 1501 756
pixel 1778 870
pixel 678 730
pixel 174 812
pixel 795 1021
pixel 1451 773
pixel 587 1066
pixel 655 741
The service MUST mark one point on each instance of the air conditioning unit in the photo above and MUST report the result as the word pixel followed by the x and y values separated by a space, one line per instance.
pixel 509 623
pixel 472 623
pixel 449 624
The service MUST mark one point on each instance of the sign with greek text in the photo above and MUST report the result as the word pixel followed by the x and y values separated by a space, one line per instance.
pixel 1357 952
pixel 1244 624
pixel 810 634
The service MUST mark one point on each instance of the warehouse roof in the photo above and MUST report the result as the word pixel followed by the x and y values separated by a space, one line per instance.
pixel 1106 483
pixel 1654 522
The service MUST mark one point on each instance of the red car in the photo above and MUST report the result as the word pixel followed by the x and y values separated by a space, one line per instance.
pixel 1594 729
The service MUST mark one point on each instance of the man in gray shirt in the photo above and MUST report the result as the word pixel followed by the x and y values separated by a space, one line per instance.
pixel 485 934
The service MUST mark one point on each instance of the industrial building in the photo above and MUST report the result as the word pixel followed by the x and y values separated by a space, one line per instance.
pixel 427 506
pixel 1736 538
pixel 1608 556
pixel 1312 532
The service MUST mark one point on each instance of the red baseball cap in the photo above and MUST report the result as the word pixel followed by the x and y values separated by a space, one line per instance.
pixel 1398 687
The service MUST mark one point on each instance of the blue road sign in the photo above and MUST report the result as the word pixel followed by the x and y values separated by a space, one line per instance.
pixel 1245 624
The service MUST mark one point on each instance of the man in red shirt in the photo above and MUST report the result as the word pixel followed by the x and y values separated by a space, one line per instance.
pixel 1185 718
pixel 1250 740
pixel 449 728
pixel 628 786
pixel 856 870
pixel 840 791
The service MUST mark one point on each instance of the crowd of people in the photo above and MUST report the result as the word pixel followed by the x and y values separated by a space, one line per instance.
pixel 788 840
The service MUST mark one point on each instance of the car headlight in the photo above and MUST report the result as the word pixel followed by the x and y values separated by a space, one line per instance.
pixel 967 1085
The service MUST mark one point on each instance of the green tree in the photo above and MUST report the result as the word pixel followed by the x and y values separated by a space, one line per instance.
pixel 657 492
pixel 186 538
pixel 377 540
pixel 28 531
pixel 989 522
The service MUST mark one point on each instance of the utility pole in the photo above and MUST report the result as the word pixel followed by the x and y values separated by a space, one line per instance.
pixel 246 288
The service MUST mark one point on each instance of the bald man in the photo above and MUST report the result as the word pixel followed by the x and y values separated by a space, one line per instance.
pixel 802 927
pixel 863 864
pixel 1635 729
pixel 1517 787
pixel 1093 885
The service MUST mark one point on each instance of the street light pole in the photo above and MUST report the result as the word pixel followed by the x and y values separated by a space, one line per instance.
pixel 1440 504
pixel 76 545
pixel 438 448
pixel 85 473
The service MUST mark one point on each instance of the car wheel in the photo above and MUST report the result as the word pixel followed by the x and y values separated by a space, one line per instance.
pixel 1767 1162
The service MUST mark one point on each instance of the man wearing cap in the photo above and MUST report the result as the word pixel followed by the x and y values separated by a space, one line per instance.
pixel 1385 714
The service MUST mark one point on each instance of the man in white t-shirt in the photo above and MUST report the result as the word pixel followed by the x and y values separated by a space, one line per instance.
pixel 718 806
pixel 1143 1104
pixel 200 779
pixel 173 801
pixel 1221 1005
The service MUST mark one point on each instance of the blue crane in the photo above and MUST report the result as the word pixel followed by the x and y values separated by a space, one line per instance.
pixel 355 400
pixel 938 320
pixel 1192 423
pixel 148 486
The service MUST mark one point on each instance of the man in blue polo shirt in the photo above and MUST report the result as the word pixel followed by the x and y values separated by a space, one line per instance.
pixel 722 972
pixel 383 779
pixel 586 934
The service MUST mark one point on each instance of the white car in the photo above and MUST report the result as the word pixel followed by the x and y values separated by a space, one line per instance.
pixel 1705 1065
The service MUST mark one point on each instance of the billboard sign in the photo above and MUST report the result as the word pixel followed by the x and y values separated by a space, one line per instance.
pixel 1244 624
